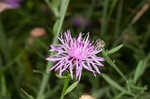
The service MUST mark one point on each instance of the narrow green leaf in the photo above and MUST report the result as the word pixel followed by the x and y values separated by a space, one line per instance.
pixel 115 49
pixel 139 88
pixel 139 70
pixel 53 5
pixel 111 62
pixel 113 83
pixel 105 17
pixel 28 95
pixel 118 18
pixel 61 77
pixel 71 87
pixel 66 83
pixel 119 95
pixel 56 25
pixel 3 86
pixel 112 7
pixel 37 71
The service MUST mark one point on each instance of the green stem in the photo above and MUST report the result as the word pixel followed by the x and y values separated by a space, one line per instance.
pixel 108 59
pixel 64 5
pixel 3 85
pixel 65 87
pixel 52 7
pixel 118 19
pixel 104 23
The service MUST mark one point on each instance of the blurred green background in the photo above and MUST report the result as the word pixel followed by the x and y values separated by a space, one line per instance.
pixel 22 52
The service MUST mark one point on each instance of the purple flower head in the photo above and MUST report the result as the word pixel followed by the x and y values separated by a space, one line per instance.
pixel 75 54
pixel 79 21
pixel 12 3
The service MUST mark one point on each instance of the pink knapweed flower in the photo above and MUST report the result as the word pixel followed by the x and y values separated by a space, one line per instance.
pixel 80 21
pixel 13 3
pixel 9 4
pixel 37 32
pixel 74 54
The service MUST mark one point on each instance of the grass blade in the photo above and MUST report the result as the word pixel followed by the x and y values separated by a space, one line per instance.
pixel 71 87
pixel 111 63
pixel 113 83
pixel 27 94
pixel 139 70
pixel 115 49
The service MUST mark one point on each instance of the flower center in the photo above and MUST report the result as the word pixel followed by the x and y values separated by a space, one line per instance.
pixel 77 53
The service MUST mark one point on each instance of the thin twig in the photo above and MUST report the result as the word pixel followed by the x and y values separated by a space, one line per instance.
pixel 141 12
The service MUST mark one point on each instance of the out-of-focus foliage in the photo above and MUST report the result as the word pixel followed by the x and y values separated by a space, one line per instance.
pixel 127 67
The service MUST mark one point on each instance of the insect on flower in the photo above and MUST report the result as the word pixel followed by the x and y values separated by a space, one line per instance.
pixel 74 54
pixel 100 44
